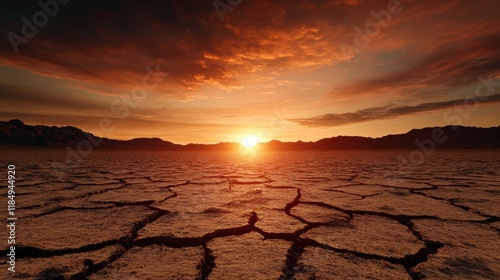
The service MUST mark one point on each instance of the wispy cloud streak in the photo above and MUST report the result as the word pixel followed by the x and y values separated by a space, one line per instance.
pixel 382 112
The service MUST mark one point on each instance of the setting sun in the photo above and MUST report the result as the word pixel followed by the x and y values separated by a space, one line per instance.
pixel 250 141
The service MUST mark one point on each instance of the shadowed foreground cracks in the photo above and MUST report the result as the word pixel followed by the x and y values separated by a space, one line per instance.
pixel 208 261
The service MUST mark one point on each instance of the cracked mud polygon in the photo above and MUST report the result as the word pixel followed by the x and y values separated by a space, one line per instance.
pixel 222 216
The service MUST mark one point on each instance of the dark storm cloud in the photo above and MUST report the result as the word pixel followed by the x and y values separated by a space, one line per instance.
pixel 110 42
pixel 114 40
pixel 389 111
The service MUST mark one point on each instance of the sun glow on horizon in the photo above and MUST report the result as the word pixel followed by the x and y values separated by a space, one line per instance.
pixel 250 141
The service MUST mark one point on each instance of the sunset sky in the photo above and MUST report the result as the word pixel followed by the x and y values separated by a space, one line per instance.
pixel 202 71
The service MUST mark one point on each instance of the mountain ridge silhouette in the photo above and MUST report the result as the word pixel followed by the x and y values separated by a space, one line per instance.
pixel 15 132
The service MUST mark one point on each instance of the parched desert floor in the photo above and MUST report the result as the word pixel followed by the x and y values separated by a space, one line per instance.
pixel 286 215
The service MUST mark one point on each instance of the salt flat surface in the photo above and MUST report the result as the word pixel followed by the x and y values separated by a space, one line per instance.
pixel 154 262
pixel 248 257
pixel 471 250
pixel 320 264
pixel 283 215
pixel 370 235
pixel 179 224
pixel 60 266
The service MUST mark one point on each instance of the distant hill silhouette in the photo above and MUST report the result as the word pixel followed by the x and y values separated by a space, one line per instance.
pixel 456 137
pixel 15 132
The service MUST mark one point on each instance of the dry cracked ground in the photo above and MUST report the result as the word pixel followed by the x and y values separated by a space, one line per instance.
pixel 273 216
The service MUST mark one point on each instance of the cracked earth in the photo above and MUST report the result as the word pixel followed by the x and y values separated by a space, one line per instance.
pixel 271 216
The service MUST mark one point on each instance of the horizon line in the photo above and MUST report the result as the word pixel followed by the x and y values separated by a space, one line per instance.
pixel 259 142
